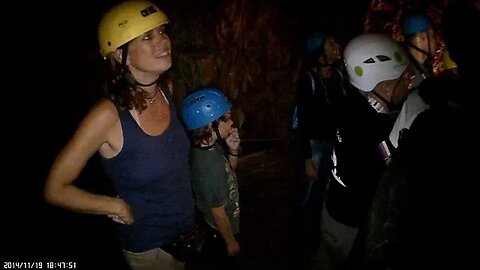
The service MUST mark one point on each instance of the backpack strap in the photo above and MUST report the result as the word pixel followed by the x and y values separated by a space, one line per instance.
pixel 312 81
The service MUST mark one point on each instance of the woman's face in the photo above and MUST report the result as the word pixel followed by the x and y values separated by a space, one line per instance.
pixel 150 52
pixel 332 50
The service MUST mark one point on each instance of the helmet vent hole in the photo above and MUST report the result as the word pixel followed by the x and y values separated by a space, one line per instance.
pixel 383 58
pixel 369 61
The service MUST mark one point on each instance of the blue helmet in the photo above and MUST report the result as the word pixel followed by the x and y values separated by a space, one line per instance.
pixel 315 42
pixel 415 24
pixel 204 106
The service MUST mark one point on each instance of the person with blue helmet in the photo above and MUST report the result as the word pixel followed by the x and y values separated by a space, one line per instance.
pixel 213 159
pixel 441 154
pixel 424 213
pixel 420 41
pixel 421 45
pixel 320 81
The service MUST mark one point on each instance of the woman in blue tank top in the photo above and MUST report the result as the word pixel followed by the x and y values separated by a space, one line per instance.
pixel 143 146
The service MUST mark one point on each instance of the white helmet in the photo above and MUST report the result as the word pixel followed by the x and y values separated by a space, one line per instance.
pixel 373 58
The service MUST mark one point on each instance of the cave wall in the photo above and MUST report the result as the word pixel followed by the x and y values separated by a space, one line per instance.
pixel 238 46
pixel 251 49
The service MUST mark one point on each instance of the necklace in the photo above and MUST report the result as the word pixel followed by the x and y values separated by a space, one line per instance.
pixel 153 98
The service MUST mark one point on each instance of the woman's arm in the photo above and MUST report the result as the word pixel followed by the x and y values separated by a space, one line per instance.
pixel 93 132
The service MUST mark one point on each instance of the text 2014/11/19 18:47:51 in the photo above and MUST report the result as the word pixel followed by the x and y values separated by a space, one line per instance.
pixel 39 265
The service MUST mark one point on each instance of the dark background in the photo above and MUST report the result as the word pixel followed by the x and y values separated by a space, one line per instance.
pixel 52 64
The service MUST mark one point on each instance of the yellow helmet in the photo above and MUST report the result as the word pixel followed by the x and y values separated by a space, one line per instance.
pixel 126 21
pixel 447 61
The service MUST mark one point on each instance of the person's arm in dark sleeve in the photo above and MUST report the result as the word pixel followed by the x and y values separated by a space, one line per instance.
pixel 304 103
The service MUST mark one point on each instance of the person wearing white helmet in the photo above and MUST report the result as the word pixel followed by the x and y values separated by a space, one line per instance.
pixel 378 72
pixel 140 141
pixel 425 211
pixel 374 63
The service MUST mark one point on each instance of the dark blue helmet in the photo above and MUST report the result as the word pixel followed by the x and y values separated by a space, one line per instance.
pixel 315 42
pixel 415 24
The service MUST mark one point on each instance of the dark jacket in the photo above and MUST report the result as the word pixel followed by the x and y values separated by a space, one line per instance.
pixel 359 161
pixel 315 113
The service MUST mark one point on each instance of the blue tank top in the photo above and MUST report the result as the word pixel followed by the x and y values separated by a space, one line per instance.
pixel 151 174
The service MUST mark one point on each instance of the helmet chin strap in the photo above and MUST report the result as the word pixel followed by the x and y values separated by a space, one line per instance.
pixel 390 105
pixel 217 134
pixel 391 109
pixel 426 53
pixel 220 140
pixel 410 44
pixel 217 131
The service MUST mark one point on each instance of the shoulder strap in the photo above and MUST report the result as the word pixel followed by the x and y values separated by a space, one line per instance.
pixel 312 81
pixel 340 73
pixel 166 92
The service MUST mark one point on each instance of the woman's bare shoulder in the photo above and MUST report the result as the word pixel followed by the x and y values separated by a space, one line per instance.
pixel 102 114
